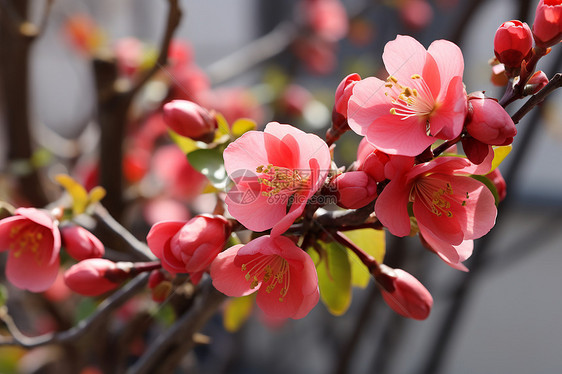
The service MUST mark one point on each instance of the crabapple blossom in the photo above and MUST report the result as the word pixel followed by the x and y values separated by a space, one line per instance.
pixel 354 189
pixel 88 277
pixel 371 160
pixel 422 100
pixel 188 247
pixel 326 18
pixel 488 121
pixel 547 26
pixel 409 298
pixel 81 244
pixel 281 273
pixel 512 43
pixel 190 120
pixel 275 173
pixel 32 239
pixel 447 204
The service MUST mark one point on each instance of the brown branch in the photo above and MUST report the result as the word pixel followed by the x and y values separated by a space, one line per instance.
pixel 174 17
pixel 553 84
pixel 83 327
pixel 168 349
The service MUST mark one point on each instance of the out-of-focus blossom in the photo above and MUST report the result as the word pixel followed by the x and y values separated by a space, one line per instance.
pixel 326 18
pixel 275 171
pixel 497 179
pixel 190 120
pixel 422 100
pixel 547 27
pixel 81 244
pixel 281 273
pixel 88 277
pixel 33 242
pixel 233 103
pixel 416 14
pixel 83 33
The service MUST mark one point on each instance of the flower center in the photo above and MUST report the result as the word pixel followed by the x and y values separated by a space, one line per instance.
pixel 435 196
pixel 415 100
pixel 269 270
pixel 279 179
pixel 24 237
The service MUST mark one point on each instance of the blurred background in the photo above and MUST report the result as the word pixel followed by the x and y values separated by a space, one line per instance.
pixel 501 317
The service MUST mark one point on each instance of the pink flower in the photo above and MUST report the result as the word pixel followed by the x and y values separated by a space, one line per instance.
pixel 281 273
pixel 81 244
pixel 354 189
pixel 188 247
pixel 422 99
pixel 33 240
pixel 409 298
pixel 88 277
pixel 547 27
pixel 275 171
pixel 326 18
pixel 536 83
pixel 447 204
pixel 339 112
pixel 489 122
pixel 416 14
pixel 497 179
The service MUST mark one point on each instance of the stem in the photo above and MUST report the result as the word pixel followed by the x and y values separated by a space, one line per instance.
pixel 553 84
pixel 365 258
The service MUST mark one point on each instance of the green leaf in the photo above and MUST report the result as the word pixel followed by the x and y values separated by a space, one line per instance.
pixel 372 242
pixel 242 126
pixel 3 295
pixel 237 311
pixel 187 145
pixel 85 308
pixel 211 164
pixel 491 186
pixel 334 279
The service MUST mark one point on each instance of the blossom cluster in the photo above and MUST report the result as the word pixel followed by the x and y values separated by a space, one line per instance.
pixel 409 176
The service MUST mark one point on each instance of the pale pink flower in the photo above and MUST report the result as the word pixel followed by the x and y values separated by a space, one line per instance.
pixel 449 206
pixel 275 171
pixel 422 99
pixel 33 240
pixel 281 273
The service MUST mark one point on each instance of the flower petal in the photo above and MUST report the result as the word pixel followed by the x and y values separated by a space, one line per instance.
pixel 448 120
pixel 227 277
pixel 367 103
pixel 246 153
pixel 391 207
pixel 160 234
pixel 449 59
pixel 404 57
pixel 397 136
pixel 25 272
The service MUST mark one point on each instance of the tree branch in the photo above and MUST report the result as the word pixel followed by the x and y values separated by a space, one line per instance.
pixel 553 84
pixel 83 327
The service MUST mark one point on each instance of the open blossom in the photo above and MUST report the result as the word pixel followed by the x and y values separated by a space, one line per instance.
pixel 33 240
pixel 281 273
pixel 422 99
pixel 188 247
pixel 449 206
pixel 275 171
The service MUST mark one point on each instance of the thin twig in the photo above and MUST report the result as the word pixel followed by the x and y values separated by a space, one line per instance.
pixel 140 249
pixel 102 312
pixel 553 84
pixel 174 17
pixel 178 339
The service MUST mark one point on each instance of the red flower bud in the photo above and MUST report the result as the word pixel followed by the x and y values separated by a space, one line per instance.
pixel 88 277
pixel 547 27
pixel 190 120
pixel 81 244
pixel 489 122
pixel 339 113
pixel 371 160
pixel 497 179
pixel 536 83
pixel 409 298
pixel 513 43
pixel 354 189
pixel 188 247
